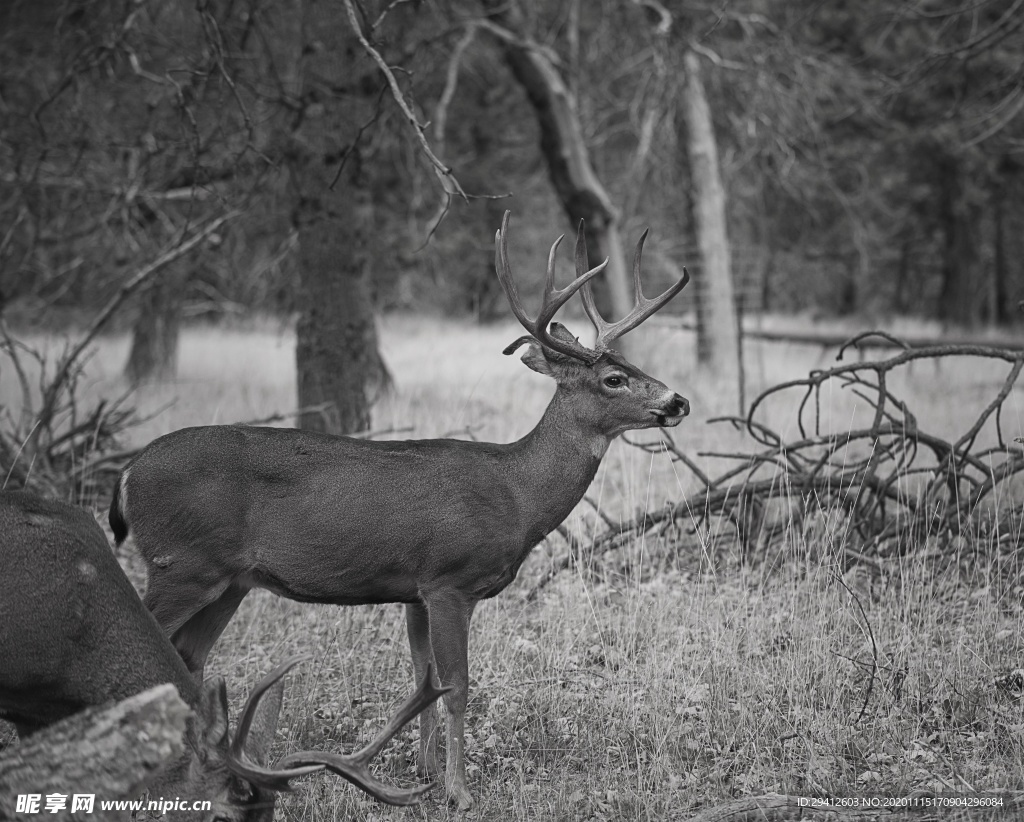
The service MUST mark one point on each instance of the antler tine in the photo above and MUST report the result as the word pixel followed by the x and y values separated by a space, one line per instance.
pixel 355 767
pixel 238 761
pixel 589 305
pixel 642 308
pixel 252 703
pixel 553 299
pixel 504 271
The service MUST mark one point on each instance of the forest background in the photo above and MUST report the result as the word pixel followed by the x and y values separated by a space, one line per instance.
pixel 284 210
pixel 863 160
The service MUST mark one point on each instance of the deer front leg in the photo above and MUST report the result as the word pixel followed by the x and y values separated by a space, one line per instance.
pixel 449 617
pixel 418 626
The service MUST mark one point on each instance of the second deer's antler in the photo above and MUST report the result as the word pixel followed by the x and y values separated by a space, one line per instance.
pixel 355 767
pixel 238 761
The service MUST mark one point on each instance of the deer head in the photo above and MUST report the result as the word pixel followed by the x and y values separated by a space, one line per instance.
pixel 228 770
pixel 610 394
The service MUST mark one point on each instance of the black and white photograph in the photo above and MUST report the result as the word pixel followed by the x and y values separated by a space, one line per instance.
pixel 511 410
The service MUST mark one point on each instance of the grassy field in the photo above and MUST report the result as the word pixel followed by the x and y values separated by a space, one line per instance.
pixel 680 677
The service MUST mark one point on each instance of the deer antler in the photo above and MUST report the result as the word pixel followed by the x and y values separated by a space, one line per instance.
pixel 642 308
pixel 238 762
pixel 354 767
pixel 553 298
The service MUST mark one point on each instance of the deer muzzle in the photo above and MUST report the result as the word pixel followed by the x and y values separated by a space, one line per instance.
pixel 672 413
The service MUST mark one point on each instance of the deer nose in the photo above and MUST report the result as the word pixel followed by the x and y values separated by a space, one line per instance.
pixel 681 405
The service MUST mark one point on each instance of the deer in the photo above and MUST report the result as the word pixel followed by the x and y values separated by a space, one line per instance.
pixel 75 634
pixel 437 525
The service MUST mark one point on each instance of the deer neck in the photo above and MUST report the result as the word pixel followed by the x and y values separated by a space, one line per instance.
pixel 558 460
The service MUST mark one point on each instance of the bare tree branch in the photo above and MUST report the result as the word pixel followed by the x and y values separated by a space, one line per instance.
pixel 448 181
pixel 892 482
pixel 57 384
pixel 451 81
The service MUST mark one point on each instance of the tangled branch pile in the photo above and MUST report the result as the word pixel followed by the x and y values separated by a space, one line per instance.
pixel 894 483
pixel 47 443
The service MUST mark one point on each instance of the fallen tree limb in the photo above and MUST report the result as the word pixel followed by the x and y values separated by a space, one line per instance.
pixel 831 339
pixel 893 483
pixel 110 752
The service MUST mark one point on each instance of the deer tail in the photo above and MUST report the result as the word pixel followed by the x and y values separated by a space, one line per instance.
pixel 117 517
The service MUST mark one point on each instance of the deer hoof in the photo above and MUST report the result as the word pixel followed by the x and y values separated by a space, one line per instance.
pixel 426 767
pixel 459 795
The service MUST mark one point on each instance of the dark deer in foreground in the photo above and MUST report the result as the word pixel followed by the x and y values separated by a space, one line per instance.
pixel 436 524
pixel 74 634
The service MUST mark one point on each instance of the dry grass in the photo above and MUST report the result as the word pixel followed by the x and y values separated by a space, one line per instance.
pixel 682 680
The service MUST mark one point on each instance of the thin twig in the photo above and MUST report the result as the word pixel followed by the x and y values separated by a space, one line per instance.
pixel 874 648
pixel 58 383
pixel 450 83
pixel 448 181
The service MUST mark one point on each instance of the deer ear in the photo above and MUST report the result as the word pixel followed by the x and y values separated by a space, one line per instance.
pixel 512 347
pixel 536 361
pixel 560 332
pixel 212 717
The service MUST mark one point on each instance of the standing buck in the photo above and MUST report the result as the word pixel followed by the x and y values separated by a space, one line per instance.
pixel 436 524
pixel 74 634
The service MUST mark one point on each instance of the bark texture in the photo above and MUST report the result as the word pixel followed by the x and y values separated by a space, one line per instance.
pixel 340 369
pixel 963 284
pixel 154 351
pixel 111 752
pixel 717 331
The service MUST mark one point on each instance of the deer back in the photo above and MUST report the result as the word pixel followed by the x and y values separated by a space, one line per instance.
pixel 75 631
pixel 295 511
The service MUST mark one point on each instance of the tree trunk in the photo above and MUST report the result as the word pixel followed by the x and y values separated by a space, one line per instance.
pixel 340 369
pixel 846 303
pixel 960 298
pixel 900 301
pixel 1011 238
pixel 1001 311
pixel 717 327
pixel 154 351
pixel 576 184
pixel 765 242
pixel 111 753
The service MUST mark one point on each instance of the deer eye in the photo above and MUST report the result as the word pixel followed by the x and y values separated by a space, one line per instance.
pixel 614 381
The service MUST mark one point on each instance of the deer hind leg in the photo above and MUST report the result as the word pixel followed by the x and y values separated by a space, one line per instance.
pixel 192 614
pixel 418 626
pixel 195 638
pixel 449 618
